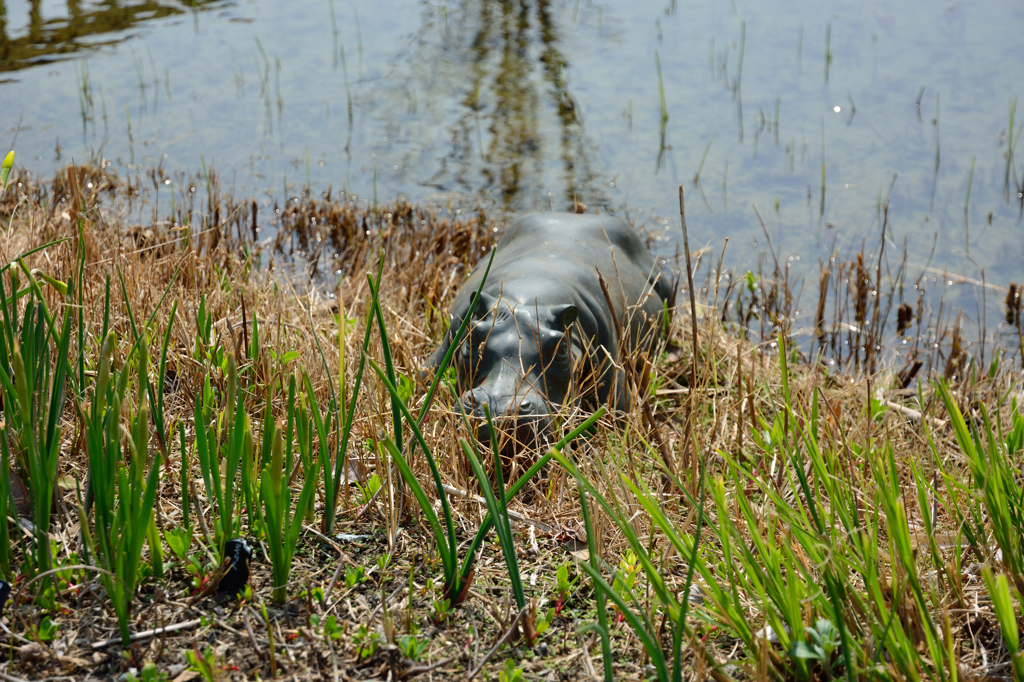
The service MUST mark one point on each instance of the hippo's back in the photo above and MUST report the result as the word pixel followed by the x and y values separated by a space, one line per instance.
pixel 544 257
pixel 584 238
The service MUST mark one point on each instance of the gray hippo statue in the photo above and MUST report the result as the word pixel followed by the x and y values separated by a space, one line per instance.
pixel 543 334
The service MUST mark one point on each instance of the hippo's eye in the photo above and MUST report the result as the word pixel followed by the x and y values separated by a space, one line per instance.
pixel 480 332
pixel 465 354
pixel 553 342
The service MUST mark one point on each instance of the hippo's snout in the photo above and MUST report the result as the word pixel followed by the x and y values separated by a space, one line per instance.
pixel 473 402
pixel 510 414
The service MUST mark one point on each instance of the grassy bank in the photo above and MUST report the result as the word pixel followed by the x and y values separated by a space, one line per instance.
pixel 172 382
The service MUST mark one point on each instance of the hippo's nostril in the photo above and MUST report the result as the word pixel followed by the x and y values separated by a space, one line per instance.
pixel 526 407
pixel 471 402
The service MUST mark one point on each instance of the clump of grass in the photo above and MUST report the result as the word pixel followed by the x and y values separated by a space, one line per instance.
pixel 33 395
pixel 639 618
pixel 5 506
pixel 992 460
pixel 122 496
pixel 221 438
pixel 282 522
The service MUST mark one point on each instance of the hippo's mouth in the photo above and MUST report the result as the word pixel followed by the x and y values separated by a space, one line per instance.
pixel 515 434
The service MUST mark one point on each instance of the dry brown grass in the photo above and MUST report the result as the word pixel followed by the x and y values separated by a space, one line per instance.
pixel 315 269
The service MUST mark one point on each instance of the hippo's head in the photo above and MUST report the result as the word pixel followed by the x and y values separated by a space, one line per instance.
pixel 517 359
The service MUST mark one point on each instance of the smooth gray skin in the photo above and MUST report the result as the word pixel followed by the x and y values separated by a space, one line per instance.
pixel 542 331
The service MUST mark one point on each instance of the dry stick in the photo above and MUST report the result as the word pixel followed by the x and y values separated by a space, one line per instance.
pixel 373 497
pixel 337 548
pixel 712 369
pixel 330 585
pixel 693 325
pixel 875 338
pixel 199 512
pixel 84 567
pixel 391 597
pixel 252 637
pixel 819 316
pixel 420 669
pixel 957 278
pixel 683 390
pixel 514 515
pixel 334 659
pixel 631 377
pixel 771 247
pixel 914 415
pixel 146 634
pixel 739 383
pixel 10 678
pixel 504 638
pixel 585 651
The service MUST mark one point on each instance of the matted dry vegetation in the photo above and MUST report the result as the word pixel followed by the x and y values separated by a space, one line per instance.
pixel 811 509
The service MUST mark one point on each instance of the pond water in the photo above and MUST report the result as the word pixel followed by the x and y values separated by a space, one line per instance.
pixel 814 112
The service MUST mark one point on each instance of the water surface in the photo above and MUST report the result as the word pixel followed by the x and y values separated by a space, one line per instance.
pixel 530 103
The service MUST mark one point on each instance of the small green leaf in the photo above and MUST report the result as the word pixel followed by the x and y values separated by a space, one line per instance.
pixel 61 287
pixel 5 170
pixel 806 651
pixel 405 388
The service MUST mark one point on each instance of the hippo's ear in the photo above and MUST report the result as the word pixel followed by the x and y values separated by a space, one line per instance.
pixel 484 305
pixel 563 315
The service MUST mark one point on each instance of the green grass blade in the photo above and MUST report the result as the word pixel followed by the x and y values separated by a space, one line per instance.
pixel 5 507
pixel 456 340
pixel 26 254
pixel 421 497
pixel 502 527
pixel 451 544
pixel 396 418
pixel 650 569
pixel 341 456
pixel 600 594
pixel 680 626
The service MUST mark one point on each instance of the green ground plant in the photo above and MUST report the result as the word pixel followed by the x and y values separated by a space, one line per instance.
pixel 221 437
pixel 33 382
pixel 282 523
pixel 5 506
pixel 122 496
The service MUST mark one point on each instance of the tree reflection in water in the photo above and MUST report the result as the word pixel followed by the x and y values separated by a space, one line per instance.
pixel 518 133
pixel 85 25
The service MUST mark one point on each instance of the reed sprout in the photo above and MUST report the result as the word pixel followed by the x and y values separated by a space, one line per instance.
pixel 5 171
pixel 497 507
pixel 221 437
pixel 283 524
pixel 33 383
pixel 123 494
pixel 5 506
